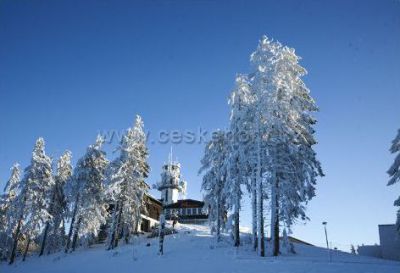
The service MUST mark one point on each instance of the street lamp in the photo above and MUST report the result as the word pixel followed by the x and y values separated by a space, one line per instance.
pixel 326 238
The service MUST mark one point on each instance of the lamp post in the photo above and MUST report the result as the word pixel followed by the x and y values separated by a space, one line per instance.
pixel 327 244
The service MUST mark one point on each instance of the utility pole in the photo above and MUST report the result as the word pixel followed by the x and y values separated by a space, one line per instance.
pixel 327 243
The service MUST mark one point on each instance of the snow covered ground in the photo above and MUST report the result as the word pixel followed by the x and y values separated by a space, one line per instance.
pixel 193 250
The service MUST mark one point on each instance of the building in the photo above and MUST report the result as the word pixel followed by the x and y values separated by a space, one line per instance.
pixel 187 211
pixel 389 244
pixel 150 213
pixel 171 187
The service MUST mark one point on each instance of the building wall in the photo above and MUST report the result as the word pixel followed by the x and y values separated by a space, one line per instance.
pixel 390 242
pixel 153 208
pixel 150 215
pixel 147 223
pixel 169 196
pixel 370 251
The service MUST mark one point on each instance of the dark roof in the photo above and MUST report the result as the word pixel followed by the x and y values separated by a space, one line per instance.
pixel 185 203
pixel 154 199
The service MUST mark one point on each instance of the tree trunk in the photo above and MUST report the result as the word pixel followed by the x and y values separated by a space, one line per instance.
pixel 118 229
pixel 46 229
pixel 127 234
pixel 237 234
pixel 26 249
pixel 254 212
pixel 112 231
pixel 161 235
pixel 15 242
pixel 218 231
pixel 261 219
pixel 275 217
pixel 76 233
pixel 71 227
pixel 260 207
pixel 277 243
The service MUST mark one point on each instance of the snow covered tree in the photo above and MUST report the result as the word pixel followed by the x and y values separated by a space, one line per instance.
pixel 7 209
pixel 394 173
pixel 215 169
pixel 284 108
pixel 34 198
pixel 89 209
pixel 353 250
pixel 126 187
pixel 240 164
pixel 55 229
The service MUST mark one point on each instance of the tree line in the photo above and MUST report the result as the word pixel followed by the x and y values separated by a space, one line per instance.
pixel 52 207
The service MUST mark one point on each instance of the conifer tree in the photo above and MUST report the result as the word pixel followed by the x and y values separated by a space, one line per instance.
pixel 7 210
pixel 215 169
pixel 58 206
pixel 126 186
pixel 34 199
pixel 89 209
pixel 394 173
pixel 239 171
pixel 285 115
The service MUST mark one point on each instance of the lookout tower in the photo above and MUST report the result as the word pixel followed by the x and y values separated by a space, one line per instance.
pixel 171 183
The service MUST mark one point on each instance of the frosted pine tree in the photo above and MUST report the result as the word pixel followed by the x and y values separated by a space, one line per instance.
pixel 8 202
pixel 215 169
pixel 394 173
pixel 262 61
pixel 16 220
pixel 240 168
pixel 58 209
pixel 285 108
pixel 90 209
pixel 126 187
pixel 36 190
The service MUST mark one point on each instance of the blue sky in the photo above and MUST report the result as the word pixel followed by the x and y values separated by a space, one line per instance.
pixel 72 69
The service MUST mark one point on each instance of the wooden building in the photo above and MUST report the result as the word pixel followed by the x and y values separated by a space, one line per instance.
pixel 150 214
pixel 187 211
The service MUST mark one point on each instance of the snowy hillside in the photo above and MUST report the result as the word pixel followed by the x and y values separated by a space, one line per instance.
pixel 193 250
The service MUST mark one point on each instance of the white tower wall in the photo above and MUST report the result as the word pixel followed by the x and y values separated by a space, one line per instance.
pixel 169 195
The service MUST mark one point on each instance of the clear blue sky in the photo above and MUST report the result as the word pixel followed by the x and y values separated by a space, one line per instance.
pixel 71 69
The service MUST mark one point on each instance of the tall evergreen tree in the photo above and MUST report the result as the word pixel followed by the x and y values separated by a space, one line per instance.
pixel 89 209
pixel 7 210
pixel 34 199
pixel 215 169
pixel 58 206
pixel 285 107
pixel 394 173
pixel 126 186
pixel 240 168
